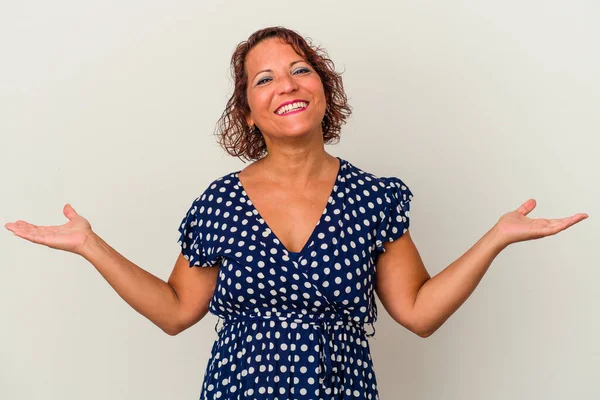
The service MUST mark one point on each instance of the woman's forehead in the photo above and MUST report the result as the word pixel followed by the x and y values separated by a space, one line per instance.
pixel 269 53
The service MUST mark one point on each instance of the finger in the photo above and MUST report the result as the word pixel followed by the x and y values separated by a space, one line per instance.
pixel 20 227
pixel 21 224
pixel 568 221
pixel 557 225
pixel 578 218
pixel 69 211
pixel 527 207
pixel 33 233
pixel 27 233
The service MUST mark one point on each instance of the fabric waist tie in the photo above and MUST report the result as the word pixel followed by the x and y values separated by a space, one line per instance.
pixel 329 342
pixel 329 346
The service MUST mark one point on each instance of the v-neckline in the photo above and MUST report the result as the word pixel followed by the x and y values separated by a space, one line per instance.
pixel 272 232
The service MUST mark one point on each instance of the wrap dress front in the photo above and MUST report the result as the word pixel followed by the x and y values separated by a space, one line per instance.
pixel 293 323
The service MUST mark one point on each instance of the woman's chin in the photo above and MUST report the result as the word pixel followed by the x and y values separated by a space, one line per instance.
pixel 297 131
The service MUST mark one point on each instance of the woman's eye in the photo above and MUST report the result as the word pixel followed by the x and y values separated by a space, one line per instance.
pixel 259 82
pixel 303 70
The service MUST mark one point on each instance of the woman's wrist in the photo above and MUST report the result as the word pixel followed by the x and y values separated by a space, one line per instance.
pixel 92 244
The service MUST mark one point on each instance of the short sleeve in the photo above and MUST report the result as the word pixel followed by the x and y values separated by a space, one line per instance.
pixel 395 214
pixel 191 235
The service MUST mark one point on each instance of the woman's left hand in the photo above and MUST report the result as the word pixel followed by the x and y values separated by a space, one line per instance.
pixel 515 227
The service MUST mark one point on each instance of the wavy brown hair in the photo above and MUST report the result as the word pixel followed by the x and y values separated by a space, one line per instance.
pixel 233 132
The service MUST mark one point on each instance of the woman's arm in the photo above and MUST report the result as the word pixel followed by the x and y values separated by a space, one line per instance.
pixel 442 295
pixel 172 306
pixel 422 304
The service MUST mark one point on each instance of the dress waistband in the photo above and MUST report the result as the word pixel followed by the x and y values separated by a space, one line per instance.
pixel 329 344
pixel 312 319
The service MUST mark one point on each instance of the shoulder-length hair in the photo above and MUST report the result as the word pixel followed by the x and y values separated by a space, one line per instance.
pixel 233 132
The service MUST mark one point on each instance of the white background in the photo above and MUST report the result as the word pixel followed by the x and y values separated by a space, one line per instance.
pixel 477 106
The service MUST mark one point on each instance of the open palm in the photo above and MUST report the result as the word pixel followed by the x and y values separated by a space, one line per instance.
pixel 515 226
pixel 69 237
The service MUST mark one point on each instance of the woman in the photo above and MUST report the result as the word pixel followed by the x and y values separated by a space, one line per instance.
pixel 290 244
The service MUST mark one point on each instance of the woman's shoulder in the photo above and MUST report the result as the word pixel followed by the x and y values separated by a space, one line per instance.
pixel 375 190
pixel 218 189
pixel 361 177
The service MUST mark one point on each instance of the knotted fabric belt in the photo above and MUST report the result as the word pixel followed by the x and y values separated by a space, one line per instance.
pixel 330 344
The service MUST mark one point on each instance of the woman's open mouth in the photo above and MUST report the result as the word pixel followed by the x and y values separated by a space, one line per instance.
pixel 291 109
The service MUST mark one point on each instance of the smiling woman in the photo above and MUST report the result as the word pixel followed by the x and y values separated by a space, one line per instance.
pixel 283 231
pixel 290 251
pixel 270 57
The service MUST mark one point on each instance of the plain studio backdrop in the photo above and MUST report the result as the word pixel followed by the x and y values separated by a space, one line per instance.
pixel 477 105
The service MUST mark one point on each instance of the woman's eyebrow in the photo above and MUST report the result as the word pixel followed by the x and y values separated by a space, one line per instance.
pixel 270 70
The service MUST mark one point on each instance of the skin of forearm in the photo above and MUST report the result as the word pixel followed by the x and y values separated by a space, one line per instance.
pixel 443 294
pixel 150 296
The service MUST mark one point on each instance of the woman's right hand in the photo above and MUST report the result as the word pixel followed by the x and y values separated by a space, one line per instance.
pixel 70 237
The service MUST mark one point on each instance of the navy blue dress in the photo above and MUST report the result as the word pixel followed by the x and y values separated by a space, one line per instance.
pixel 294 322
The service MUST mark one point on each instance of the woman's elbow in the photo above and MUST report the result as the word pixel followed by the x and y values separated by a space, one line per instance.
pixel 422 331
pixel 425 334
pixel 171 329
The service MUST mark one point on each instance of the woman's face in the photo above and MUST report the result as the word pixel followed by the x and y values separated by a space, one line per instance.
pixel 278 75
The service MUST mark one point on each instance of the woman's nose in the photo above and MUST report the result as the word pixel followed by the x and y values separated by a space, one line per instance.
pixel 287 84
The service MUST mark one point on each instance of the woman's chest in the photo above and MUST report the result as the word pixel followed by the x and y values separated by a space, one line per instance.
pixel 290 214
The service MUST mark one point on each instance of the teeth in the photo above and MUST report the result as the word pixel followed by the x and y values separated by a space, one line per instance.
pixel 291 107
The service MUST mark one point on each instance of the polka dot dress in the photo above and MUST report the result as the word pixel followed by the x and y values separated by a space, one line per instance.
pixel 293 323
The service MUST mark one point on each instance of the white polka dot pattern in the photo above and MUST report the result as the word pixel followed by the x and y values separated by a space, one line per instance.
pixel 293 322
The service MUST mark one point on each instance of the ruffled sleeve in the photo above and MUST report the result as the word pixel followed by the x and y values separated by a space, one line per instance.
pixel 395 215
pixel 191 235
